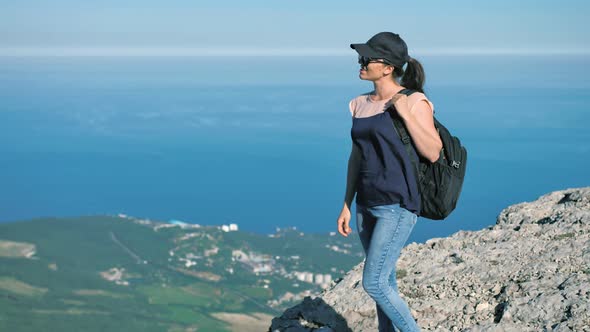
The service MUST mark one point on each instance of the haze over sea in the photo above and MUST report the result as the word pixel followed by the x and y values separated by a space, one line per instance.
pixel 264 141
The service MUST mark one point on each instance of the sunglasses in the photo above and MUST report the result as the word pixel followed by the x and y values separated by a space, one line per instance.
pixel 364 61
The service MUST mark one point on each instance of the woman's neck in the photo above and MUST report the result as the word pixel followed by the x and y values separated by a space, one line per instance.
pixel 385 89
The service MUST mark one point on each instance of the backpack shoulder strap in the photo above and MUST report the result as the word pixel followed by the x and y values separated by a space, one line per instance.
pixel 400 128
pixel 399 123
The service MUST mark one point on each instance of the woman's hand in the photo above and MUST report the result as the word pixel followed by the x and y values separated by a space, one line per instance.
pixel 400 101
pixel 343 222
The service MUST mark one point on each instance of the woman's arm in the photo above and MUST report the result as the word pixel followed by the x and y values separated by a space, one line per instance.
pixel 343 220
pixel 420 125
pixel 352 175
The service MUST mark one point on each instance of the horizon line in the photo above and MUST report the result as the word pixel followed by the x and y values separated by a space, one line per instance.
pixel 231 52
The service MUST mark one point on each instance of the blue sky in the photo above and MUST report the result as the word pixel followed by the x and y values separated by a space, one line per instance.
pixel 290 27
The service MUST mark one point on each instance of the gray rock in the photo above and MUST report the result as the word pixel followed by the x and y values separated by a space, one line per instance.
pixel 528 272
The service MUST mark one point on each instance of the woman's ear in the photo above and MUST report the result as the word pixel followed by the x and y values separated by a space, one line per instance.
pixel 387 70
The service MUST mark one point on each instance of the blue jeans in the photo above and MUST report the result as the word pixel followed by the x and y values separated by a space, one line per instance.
pixel 383 231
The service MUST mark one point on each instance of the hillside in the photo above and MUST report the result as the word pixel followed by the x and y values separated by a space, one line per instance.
pixel 528 272
pixel 120 273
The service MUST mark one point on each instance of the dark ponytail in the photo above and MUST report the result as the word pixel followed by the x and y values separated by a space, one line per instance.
pixel 413 77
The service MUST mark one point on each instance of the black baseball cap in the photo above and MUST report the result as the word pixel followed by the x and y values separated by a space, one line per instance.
pixel 385 45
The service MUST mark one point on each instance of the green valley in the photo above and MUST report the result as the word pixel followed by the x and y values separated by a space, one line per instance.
pixel 120 273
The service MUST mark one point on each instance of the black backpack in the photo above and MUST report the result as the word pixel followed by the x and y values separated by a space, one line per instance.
pixel 440 182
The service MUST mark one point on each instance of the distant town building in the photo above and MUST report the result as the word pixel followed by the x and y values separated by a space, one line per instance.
pixel 304 276
pixel 229 228
pixel 262 268
pixel 319 278
pixel 212 251
pixel 188 236
pixel 190 255
pixel 157 227
pixel 239 255
pixel 143 221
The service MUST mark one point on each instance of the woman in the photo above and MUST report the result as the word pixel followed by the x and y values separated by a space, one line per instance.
pixel 380 170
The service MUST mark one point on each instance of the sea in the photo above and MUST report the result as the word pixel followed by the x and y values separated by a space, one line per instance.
pixel 263 141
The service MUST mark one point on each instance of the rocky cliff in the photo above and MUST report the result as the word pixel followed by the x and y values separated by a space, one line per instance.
pixel 528 272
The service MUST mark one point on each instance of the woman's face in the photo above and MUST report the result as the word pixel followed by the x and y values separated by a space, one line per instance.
pixel 374 70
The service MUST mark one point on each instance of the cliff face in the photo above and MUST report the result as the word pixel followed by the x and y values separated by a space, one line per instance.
pixel 528 272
